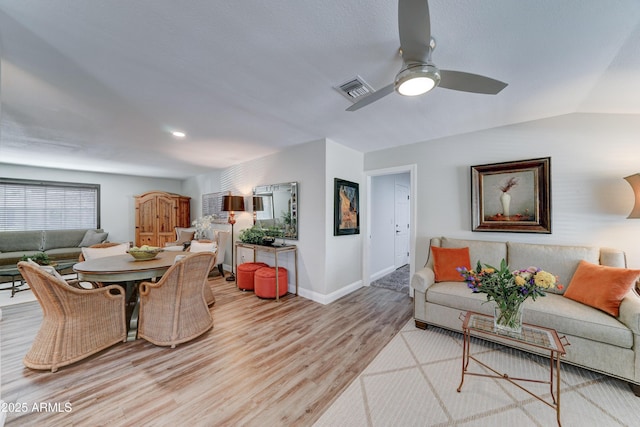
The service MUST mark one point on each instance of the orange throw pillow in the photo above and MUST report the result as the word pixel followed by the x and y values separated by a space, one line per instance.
pixel 600 286
pixel 445 262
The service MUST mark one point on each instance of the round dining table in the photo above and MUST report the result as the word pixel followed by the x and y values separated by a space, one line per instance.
pixel 124 268
pixel 128 272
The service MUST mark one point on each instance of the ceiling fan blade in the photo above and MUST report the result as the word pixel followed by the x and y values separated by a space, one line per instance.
pixel 468 82
pixel 380 93
pixel 415 30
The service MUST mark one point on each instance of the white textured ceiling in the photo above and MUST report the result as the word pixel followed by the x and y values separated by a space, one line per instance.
pixel 96 85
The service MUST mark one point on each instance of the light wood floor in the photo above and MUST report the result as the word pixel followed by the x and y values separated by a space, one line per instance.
pixel 263 364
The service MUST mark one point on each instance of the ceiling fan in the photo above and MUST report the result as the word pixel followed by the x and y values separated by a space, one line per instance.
pixel 419 74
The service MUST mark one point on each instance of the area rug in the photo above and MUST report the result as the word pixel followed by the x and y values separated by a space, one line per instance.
pixel 25 295
pixel 413 382
pixel 396 281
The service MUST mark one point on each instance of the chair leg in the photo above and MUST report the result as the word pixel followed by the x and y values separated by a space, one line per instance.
pixel 221 270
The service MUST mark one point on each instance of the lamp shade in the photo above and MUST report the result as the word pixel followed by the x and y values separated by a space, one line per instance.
pixel 634 181
pixel 233 203
pixel 257 204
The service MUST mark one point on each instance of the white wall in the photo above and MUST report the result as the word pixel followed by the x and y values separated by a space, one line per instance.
pixel 117 208
pixel 303 164
pixel 382 230
pixel 344 270
pixel 328 266
pixel 590 156
pixel 196 186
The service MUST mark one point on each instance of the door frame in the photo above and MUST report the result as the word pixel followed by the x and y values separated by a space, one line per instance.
pixel 412 169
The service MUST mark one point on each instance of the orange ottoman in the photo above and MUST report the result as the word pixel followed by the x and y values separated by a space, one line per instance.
pixel 244 275
pixel 265 282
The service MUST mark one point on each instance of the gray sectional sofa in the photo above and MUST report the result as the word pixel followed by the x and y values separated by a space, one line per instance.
pixel 598 341
pixel 57 244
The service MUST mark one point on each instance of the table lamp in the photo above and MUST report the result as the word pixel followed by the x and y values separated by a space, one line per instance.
pixel 257 206
pixel 232 204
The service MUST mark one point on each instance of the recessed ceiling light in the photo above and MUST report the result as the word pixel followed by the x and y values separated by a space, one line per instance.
pixel 178 134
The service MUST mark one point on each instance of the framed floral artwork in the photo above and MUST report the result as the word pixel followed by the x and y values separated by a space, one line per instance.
pixel 346 208
pixel 512 196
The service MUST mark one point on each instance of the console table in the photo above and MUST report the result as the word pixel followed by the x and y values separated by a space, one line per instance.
pixel 532 336
pixel 275 250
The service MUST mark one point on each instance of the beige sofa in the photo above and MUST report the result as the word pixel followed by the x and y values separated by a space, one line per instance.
pixel 598 341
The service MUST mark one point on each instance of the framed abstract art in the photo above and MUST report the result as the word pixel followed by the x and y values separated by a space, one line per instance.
pixel 346 207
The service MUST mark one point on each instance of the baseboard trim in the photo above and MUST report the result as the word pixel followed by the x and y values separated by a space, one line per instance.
pixel 377 275
pixel 328 299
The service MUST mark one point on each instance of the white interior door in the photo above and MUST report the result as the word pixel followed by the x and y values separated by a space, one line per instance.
pixel 402 210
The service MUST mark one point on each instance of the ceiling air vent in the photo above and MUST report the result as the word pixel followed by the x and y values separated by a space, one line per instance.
pixel 354 89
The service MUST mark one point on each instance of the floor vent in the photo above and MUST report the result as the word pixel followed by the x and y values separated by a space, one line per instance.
pixel 354 89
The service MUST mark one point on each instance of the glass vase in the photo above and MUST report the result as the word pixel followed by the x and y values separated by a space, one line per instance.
pixel 508 319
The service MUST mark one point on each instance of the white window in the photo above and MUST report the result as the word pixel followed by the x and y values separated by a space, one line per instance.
pixel 47 205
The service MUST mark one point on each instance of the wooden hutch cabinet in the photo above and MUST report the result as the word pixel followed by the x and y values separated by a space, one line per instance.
pixel 158 214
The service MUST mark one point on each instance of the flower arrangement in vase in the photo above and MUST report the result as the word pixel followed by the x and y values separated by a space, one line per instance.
pixel 203 225
pixel 509 290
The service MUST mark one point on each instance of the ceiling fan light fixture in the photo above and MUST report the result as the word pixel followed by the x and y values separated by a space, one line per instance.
pixel 416 79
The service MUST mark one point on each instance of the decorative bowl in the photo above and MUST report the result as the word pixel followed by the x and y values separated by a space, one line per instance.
pixel 268 240
pixel 143 254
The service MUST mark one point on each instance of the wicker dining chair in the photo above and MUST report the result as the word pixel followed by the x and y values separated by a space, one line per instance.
pixel 208 293
pixel 76 322
pixel 174 310
pixel 103 245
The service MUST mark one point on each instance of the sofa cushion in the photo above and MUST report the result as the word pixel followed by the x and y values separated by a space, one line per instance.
pixel 58 254
pixel 12 258
pixel 16 241
pixel 486 252
pixel 184 236
pixel 92 237
pixel 601 287
pixel 552 311
pixel 561 261
pixel 47 269
pixel 203 246
pixel 52 239
pixel 447 260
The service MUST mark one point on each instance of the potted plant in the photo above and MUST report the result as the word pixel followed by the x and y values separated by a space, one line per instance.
pixel 40 258
pixel 253 235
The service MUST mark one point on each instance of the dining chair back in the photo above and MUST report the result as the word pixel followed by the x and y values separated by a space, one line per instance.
pixel 222 238
pixel 76 322
pixel 174 310
pixel 103 250
pixel 206 246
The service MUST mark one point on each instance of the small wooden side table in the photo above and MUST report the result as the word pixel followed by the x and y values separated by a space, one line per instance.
pixel 275 250
pixel 531 336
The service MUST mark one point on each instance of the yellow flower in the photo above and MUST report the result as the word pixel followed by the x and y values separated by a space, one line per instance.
pixel 520 280
pixel 488 270
pixel 544 279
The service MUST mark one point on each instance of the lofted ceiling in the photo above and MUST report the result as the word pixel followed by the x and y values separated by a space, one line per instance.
pixel 98 85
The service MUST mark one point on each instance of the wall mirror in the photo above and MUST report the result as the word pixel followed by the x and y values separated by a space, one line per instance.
pixel 279 208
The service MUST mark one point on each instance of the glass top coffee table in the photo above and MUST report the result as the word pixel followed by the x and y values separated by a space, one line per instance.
pixel 14 273
pixel 535 338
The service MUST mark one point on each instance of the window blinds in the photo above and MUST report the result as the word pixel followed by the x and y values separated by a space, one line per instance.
pixel 46 205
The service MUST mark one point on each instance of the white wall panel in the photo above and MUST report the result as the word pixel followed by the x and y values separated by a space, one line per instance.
pixel 590 155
